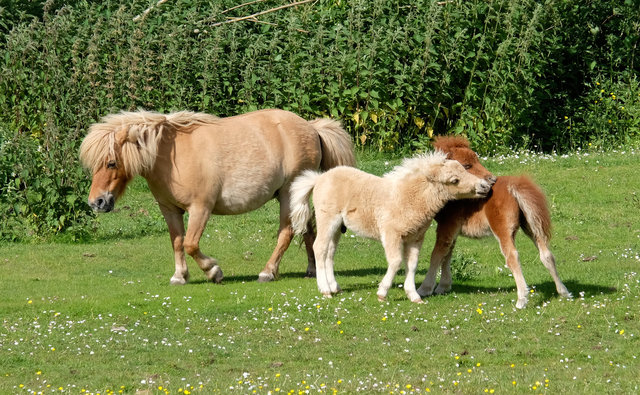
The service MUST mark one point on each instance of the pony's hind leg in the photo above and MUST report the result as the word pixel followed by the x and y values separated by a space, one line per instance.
pixel 285 235
pixel 310 237
pixel 175 223
pixel 198 217
pixel 324 248
pixel 549 262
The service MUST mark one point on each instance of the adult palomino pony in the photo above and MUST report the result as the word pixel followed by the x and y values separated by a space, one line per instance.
pixel 396 209
pixel 514 202
pixel 202 164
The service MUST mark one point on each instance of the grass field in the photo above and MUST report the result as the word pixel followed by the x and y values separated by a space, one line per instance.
pixel 101 317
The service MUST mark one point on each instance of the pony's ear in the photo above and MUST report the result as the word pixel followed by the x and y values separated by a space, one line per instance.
pixel 122 136
pixel 129 134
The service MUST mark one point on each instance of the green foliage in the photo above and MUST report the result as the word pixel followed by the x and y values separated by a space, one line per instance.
pixel 38 193
pixel 505 73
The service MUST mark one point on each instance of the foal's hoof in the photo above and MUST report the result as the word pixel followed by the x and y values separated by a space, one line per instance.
pixel 327 295
pixel 265 277
pixel 418 301
pixel 309 274
pixel 215 274
pixel 382 298
pixel 521 303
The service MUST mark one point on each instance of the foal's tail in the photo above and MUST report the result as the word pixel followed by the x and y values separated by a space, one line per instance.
pixel 337 147
pixel 534 208
pixel 301 189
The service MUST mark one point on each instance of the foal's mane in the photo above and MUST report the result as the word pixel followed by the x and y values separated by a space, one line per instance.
pixel 133 137
pixel 448 143
pixel 416 165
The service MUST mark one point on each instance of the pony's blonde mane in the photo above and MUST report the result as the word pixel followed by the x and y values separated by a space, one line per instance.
pixel 416 165
pixel 133 137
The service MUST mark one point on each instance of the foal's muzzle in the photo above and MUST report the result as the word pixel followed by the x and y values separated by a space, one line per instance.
pixel 483 188
pixel 103 203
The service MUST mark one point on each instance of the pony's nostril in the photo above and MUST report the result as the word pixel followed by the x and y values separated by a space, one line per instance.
pixel 492 179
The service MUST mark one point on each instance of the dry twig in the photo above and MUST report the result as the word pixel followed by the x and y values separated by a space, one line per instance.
pixel 145 12
pixel 254 16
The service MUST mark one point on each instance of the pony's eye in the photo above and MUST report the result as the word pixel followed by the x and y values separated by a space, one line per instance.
pixel 467 166
pixel 455 181
pixel 111 164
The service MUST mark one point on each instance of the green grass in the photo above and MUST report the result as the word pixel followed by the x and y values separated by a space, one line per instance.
pixel 101 317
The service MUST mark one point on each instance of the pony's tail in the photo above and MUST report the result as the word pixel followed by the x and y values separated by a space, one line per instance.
pixel 301 189
pixel 337 147
pixel 534 207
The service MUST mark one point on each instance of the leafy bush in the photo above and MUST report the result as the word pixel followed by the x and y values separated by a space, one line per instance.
pixel 505 73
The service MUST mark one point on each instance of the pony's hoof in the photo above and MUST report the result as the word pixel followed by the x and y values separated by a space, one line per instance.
pixel 424 293
pixel 265 277
pixel 327 295
pixel 177 281
pixel 418 301
pixel 215 274
pixel 309 274
pixel 382 298
pixel 441 291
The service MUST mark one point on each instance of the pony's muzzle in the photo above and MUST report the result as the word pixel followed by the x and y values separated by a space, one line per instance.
pixel 103 203
pixel 483 188
pixel 491 179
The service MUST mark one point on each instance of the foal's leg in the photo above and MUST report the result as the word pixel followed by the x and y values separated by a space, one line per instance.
pixel 285 235
pixel 412 251
pixel 309 238
pixel 393 249
pixel 446 278
pixel 329 262
pixel 446 236
pixel 508 248
pixel 324 248
pixel 173 216
pixel 198 217
pixel 549 262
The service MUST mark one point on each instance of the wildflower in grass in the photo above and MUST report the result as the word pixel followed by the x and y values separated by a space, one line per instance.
pixel 479 310
pixel 622 331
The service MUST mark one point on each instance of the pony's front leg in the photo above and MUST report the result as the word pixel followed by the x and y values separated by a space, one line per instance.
pixel 412 252
pixel 393 251
pixel 445 242
pixel 309 239
pixel 175 223
pixel 198 217
pixel 285 235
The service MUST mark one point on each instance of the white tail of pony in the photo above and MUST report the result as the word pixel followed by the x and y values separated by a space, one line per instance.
pixel 301 189
pixel 337 147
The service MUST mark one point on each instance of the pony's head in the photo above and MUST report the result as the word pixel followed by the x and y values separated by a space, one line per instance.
pixel 116 150
pixel 457 148
pixel 460 183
